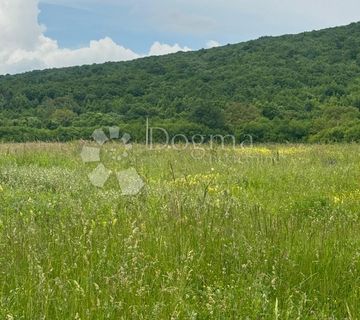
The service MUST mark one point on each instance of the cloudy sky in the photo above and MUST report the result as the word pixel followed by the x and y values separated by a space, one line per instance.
pixel 38 34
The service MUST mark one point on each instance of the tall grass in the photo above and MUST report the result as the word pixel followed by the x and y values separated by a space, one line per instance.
pixel 269 232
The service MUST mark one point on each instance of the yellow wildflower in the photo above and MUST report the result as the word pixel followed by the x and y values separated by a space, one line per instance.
pixel 337 199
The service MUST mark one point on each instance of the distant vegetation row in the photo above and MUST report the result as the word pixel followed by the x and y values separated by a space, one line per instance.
pixel 296 88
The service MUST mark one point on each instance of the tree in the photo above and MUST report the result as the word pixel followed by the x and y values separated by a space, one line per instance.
pixel 208 114
pixel 63 117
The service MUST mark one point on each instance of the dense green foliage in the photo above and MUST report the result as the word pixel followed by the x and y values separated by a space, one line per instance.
pixel 303 87
pixel 257 233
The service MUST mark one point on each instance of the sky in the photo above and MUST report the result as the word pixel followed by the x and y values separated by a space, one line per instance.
pixel 40 34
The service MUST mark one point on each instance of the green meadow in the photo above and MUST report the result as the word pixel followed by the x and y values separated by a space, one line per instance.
pixel 269 232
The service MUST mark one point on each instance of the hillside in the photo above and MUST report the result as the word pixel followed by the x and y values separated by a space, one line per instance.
pixel 303 87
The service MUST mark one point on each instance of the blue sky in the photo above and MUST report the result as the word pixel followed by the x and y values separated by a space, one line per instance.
pixel 75 26
pixel 40 34
pixel 137 24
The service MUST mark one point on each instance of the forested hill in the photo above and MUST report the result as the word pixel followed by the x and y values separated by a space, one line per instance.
pixel 303 87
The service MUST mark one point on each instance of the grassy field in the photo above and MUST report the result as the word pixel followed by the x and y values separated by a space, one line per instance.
pixel 270 232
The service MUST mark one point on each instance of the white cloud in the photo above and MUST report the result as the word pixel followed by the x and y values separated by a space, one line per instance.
pixel 18 24
pixel 212 44
pixel 24 47
pixel 97 52
pixel 158 49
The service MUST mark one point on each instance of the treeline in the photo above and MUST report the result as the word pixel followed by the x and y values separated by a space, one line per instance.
pixel 296 88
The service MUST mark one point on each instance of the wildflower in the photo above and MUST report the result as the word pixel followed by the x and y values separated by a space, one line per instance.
pixel 291 150
pixel 211 190
pixel 336 199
